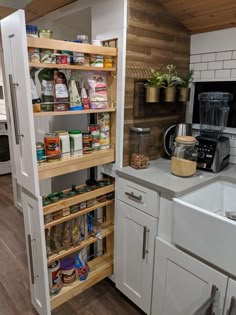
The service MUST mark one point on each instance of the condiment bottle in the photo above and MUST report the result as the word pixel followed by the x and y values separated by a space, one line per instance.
pixel 184 156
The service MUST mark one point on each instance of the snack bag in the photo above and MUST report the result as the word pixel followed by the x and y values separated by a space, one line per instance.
pixel 82 268
pixel 75 232
pixel 97 91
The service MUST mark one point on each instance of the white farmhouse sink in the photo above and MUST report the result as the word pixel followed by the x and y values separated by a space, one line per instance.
pixel 200 227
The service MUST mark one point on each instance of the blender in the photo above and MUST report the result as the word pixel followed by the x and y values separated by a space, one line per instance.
pixel 213 147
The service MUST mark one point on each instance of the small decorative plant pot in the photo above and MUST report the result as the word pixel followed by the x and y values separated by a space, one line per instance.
pixel 152 94
pixel 169 94
pixel 183 94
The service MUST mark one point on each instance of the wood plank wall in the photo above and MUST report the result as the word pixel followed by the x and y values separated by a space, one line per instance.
pixel 154 38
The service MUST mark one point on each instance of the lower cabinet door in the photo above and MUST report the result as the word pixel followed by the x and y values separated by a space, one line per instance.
pixel 134 254
pixel 182 283
pixel 36 252
pixel 230 301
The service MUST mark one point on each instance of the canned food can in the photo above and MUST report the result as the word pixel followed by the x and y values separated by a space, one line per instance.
pixel 40 152
pixel 52 146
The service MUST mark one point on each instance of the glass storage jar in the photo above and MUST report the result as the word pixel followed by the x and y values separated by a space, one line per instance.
pixel 184 156
pixel 139 147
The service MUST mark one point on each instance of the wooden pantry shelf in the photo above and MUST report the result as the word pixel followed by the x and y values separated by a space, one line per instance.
pixel 70 46
pixel 70 67
pixel 74 112
pixel 77 199
pixel 72 164
pixel 101 267
pixel 79 213
pixel 106 231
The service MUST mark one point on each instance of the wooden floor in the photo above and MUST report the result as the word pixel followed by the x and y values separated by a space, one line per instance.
pixel 102 299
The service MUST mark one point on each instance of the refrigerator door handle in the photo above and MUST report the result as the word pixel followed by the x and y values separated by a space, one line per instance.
pixel 14 109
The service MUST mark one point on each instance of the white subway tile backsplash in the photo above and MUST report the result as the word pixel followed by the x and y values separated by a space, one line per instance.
pixel 195 58
pixel 222 74
pixel 200 66
pixel 207 74
pixel 234 55
pixel 208 57
pixel 196 75
pixel 232 151
pixel 215 65
pixel 230 64
pixel 225 55
pixel 233 73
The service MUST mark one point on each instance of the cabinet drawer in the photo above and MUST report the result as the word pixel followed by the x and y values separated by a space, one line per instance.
pixel 140 197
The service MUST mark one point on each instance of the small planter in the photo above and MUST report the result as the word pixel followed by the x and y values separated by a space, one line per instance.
pixel 152 94
pixel 183 94
pixel 169 94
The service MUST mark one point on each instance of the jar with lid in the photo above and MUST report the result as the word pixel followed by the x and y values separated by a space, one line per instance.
pixel 139 147
pixel 184 156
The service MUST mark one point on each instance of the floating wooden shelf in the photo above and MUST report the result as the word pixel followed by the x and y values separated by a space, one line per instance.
pixel 69 67
pixel 78 198
pixel 70 46
pixel 79 213
pixel 72 164
pixel 101 267
pixel 106 231
pixel 74 112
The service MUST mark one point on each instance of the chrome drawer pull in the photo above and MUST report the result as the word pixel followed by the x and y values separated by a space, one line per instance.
pixel 132 195
pixel 232 308
pixel 31 259
pixel 144 250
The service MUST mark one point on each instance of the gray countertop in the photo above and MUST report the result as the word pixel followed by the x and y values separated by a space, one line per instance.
pixel 159 178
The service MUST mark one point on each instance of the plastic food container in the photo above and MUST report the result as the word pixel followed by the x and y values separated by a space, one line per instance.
pixel 32 30
pixel 45 33
pixel 76 146
pixel 54 277
pixel 139 147
pixel 184 156
pixel 68 270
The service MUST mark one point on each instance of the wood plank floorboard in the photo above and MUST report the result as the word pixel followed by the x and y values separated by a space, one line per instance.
pixel 101 299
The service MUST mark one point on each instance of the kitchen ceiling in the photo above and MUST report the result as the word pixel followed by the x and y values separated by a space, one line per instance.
pixel 197 16
pixel 203 15
pixel 36 8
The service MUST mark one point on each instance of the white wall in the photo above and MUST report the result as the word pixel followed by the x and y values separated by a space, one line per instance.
pixel 213 58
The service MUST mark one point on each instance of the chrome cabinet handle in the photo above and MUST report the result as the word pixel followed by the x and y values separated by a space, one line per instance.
pixel 208 307
pixel 144 250
pixel 232 308
pixel 14 109
pixel 132 195
pixel 31 259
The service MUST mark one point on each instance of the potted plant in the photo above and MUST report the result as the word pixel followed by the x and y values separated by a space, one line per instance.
pixel 153 85
pixel 184 89
pixel 171 81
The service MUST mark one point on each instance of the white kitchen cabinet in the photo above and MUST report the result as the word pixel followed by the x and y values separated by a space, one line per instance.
pixel 134 254
pixel 182 283
pixel 28 173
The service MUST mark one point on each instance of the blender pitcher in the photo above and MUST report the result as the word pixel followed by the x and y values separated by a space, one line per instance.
pixel 213 111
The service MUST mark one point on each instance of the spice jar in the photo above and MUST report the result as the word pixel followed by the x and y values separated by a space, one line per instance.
pixel 139 147
pixel 184 156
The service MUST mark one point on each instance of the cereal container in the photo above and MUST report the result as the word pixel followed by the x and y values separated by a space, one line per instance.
pixel 139 147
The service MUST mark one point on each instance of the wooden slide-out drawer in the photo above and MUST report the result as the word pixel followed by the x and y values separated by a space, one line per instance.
pixel 140 197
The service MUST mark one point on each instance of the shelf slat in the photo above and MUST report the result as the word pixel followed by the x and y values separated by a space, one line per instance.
pixel 70 67
pixel 72 164
pixel 101 267
pixel 78 214
pixel 70 46
pixel 74 112
pixel 106 231
pixel 77 199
